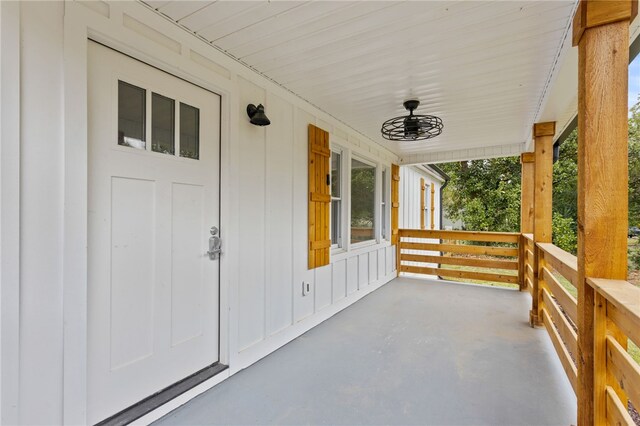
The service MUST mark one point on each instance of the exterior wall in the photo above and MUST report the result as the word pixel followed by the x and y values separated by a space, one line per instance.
pixel 410 197
pixel 410 207
pixel 264 202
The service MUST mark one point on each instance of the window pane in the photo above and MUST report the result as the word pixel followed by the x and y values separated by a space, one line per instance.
pixel 189 131
pixel 335 174
pixel 335 222
pixel 162 124
pixel 363 183
pixel 132 105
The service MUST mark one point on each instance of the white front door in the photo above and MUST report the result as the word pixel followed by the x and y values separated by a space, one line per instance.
pixel 153 197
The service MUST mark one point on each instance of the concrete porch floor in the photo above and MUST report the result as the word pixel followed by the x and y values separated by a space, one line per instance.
pixel 413 352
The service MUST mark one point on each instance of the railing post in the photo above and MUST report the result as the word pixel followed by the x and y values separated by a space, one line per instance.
pixel 521 261
pixel 601 32
pixel 542 202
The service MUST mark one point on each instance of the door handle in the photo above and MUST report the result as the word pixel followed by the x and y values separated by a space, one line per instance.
pixel 215 244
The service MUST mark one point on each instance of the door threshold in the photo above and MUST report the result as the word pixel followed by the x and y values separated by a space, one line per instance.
pixel 156 400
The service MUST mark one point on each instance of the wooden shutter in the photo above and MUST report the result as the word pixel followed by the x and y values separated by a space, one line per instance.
pixel 433 206
pixel 422 206
pixel 319 197
pixel 395 202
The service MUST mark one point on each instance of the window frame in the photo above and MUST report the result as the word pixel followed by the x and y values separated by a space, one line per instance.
pixel 341 245
pixel 376 201
pixel 384 204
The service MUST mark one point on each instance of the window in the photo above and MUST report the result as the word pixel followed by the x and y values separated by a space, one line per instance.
pixel 189 131
pixel 131 115
pixel 363 201
pixel 383 205
pixel 336 199
pixel 133 118
pixel 162 124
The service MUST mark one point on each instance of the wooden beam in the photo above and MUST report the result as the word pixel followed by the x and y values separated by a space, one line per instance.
pixel 459 248
pixel 433 207
pixel 492 237
pixel 543 181
pixel 456 273
pixel 566 300
pixel 616 410
pixel 527 161
pixel 563 353
pixel 522 253
pixel 542 202
pixel 561 261
pixel 565 330
pixel 395 204
pixel 601 32
pixel 462 261
pixel 623 369
pixel 592 13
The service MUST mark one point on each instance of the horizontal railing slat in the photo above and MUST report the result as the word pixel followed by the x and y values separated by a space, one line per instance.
pixel 451 273
pixel 529 254
pixel 561 261
pixel 458 248
pixel 492 237
pixel 563 354
pixel 461 261
pixel 623 304
pixel 617 413
pixel 567 301
pixel 568 335
pixel 624 369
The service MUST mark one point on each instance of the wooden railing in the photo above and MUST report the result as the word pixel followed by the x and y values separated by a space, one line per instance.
pixel 420 248
pixel 527 248
pixel 617 375
pixel 550 274
pixel 557 307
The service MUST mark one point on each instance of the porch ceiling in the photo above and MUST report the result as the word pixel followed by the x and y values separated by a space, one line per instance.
pixel 483 67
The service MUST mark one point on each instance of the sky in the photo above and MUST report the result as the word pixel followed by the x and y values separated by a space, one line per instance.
pixel 634 81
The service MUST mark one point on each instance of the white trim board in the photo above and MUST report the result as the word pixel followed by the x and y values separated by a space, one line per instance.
pixel 10 211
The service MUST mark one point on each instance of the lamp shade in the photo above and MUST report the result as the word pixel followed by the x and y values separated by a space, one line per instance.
pixel 257 115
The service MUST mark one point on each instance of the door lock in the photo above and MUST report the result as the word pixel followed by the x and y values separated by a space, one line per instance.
pixel 215 244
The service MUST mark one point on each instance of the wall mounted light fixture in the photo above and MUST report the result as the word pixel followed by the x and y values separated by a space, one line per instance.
pixel 257 116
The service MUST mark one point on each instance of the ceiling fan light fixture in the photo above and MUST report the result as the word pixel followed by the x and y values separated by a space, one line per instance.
pixel 412 127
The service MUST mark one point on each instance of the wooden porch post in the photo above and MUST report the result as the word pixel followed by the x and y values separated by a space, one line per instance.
pixel 527 161
pixel 542 204
pixel 395 204
pixel 601 32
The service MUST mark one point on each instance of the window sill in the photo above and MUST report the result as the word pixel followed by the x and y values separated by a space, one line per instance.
pixel 360 248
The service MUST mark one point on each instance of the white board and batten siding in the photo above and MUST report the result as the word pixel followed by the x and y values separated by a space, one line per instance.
pixel 263 206
pixel 410 207
pixel 273 229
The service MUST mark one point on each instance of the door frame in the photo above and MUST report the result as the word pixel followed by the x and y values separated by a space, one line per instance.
pixel 134 30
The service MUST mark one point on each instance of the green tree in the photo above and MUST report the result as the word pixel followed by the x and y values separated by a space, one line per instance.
pixel 634 166
pixel 485 194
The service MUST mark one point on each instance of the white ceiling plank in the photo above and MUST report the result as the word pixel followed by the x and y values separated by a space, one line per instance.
pixel 217 13
pixel 178 9
pixel 482 66
pixel 246 19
